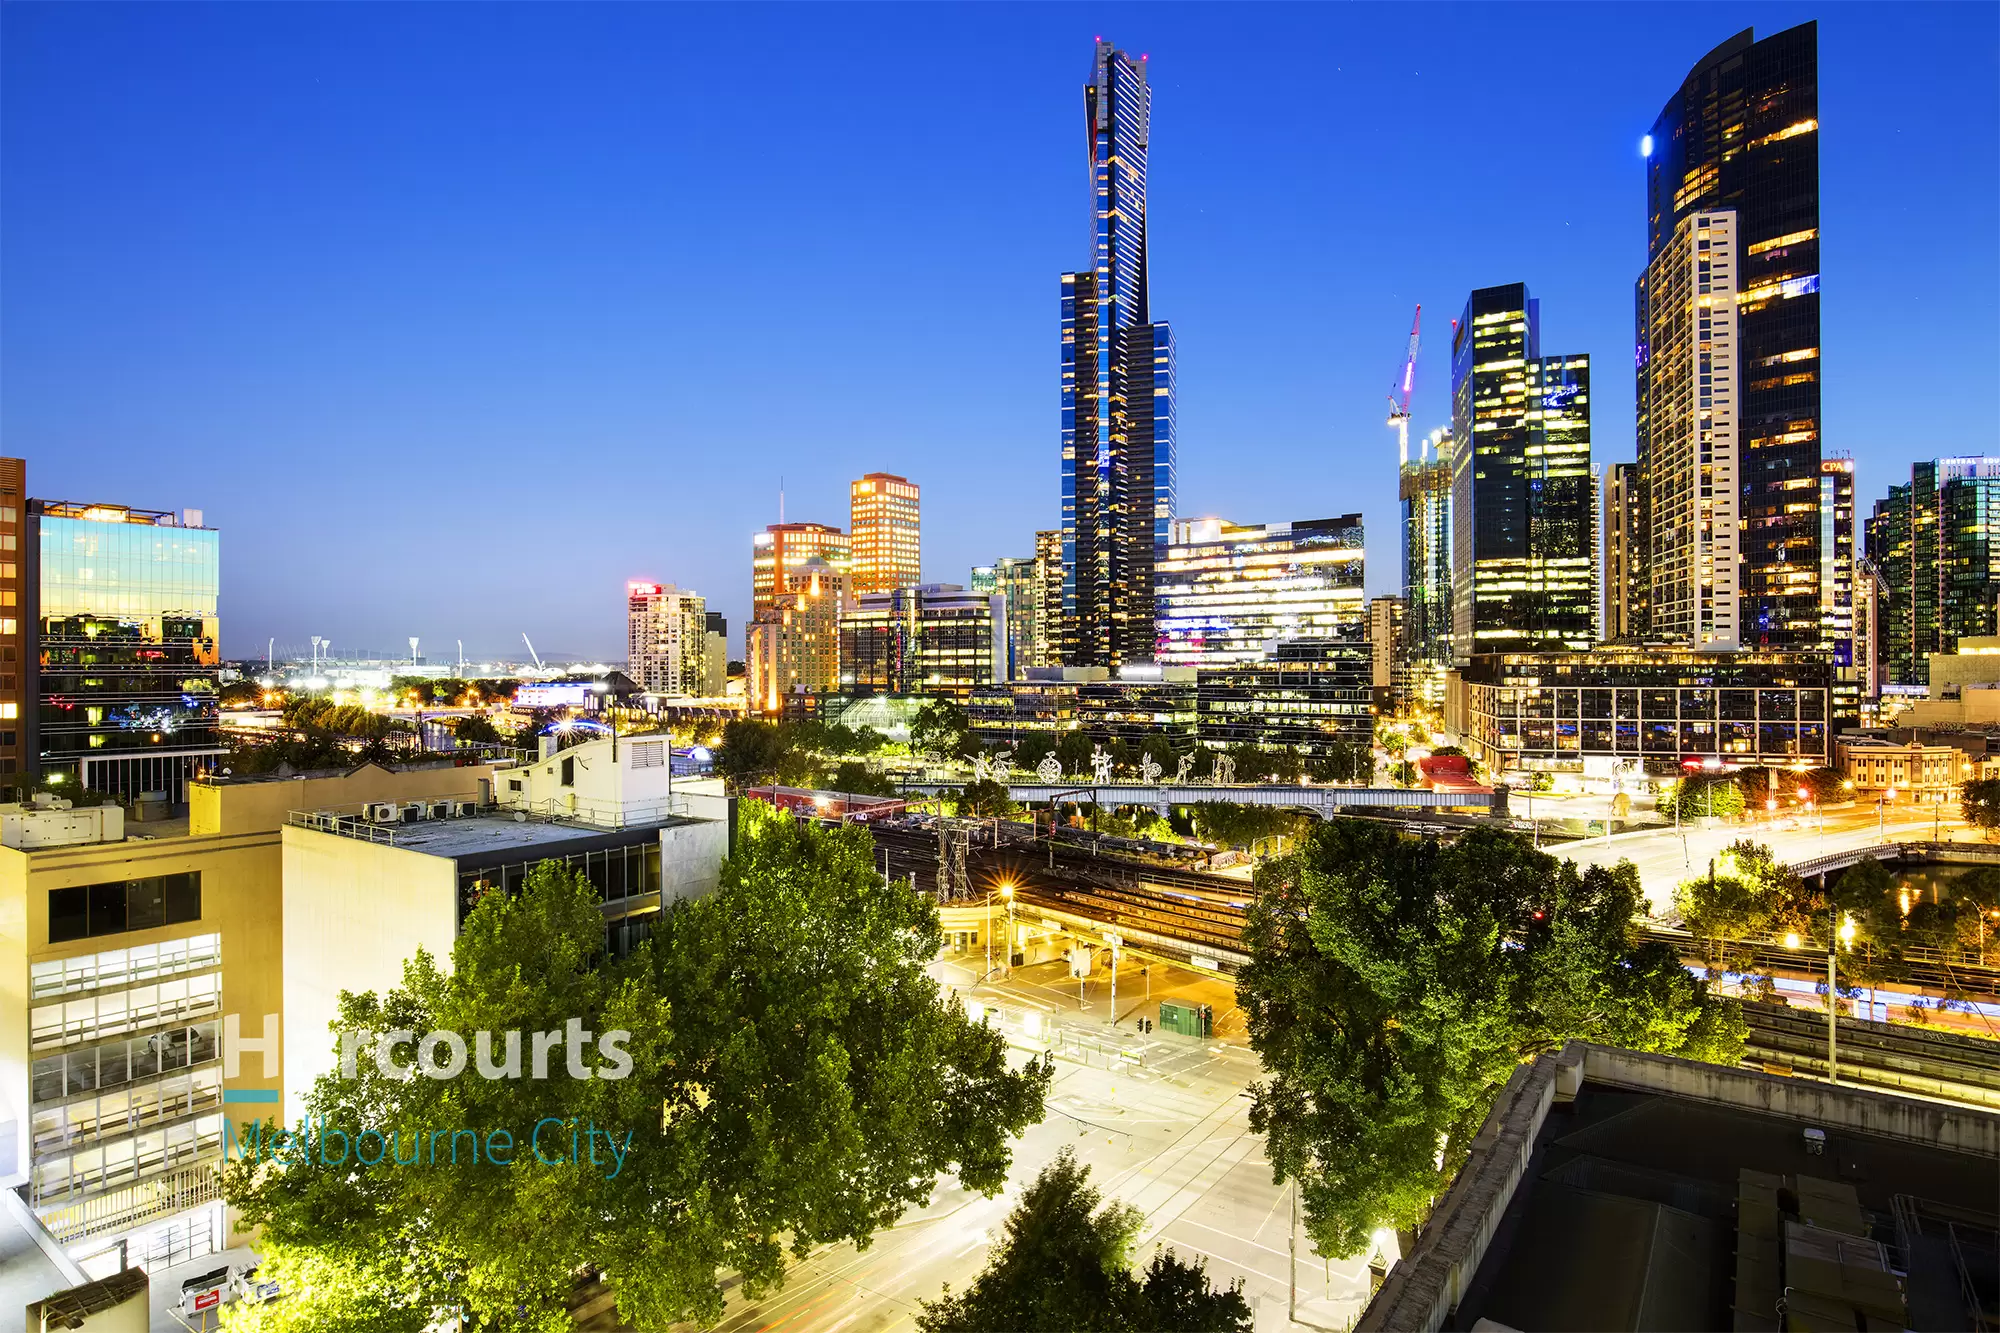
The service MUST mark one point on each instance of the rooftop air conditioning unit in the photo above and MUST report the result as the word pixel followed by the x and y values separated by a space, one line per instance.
pixel 462 809
pixel 384 812
pixel 440 810
pixel 415 810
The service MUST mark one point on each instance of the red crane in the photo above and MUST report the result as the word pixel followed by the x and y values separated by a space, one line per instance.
pixel 1399 407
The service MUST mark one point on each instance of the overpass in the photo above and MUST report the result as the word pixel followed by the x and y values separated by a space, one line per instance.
pixel 1321 799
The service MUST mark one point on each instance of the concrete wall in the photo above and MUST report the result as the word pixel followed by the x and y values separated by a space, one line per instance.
pixel 691 859
pixel 1935 1124
pixel 224 805
pixel 354 912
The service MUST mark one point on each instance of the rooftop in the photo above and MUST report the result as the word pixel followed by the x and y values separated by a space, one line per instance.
pixel 488 829
pixel 1611 1190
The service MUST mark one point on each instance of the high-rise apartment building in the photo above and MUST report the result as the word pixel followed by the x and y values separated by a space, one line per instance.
pixel 128 654
pixel 783 549
pixel 1227 592
pixel 17 650
pixel 1837 559
pixel 1524 545
pixel 1048 638
pixel 1735 154
pixel 1118 448
pixel 1934 548
pixel 793 647
pixel 1624 565
pixel 933 639
pixel 885 533
pixel 1869 598
pixel 1694 472
pixel 666 638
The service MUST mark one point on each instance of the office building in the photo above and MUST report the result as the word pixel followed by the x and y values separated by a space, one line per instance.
pixel 1049 632
pixel 1622 710
pixel 794 645
pixel 1225 592
pixel 128 954
pixel 1118 447
pixel 714 656
pixel 1312 697
pixel 1735 153
pixel 1932 544
pixel 1624 563
pixel 17 640
pixel 1837 561
pixel 1694 472
pixel 1524 548
pixel 1620 1189
pixel 1385 637
pixel 129 660
pixel 933 639
pixel 885 533
pixel 666 638
pixel 365 887
pixel 1869 598
pixel 782 550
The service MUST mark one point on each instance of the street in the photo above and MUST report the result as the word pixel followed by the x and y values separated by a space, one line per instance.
pixel 1171 1138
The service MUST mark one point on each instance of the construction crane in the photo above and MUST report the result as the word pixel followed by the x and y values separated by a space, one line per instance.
pixel 1399 408
pixel 531 650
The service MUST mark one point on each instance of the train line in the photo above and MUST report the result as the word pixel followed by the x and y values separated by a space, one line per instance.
pixel 1893 1058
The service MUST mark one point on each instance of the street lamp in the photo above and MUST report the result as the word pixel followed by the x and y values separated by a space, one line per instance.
pixel 1007 892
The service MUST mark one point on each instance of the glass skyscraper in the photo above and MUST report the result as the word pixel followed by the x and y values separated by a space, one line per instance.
pixel 1424 488
pixel 128 656
pixel 1117 390
pixel 1735 154
pixel 1229 594
pixel 1932 545
pixel 1523 522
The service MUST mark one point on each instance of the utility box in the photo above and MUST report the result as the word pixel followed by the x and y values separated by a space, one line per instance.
pixel 1188 1020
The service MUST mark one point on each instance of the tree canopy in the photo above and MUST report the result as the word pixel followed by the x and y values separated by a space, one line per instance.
pixel 1979 802
pixel 796 1079
pixel 1394 985
pixel 940 727
pixel 1064 1263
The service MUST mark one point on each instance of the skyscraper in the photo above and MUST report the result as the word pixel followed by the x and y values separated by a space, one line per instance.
pixel 1118 449
pixel 1836 584
pixel 1424 485
pixel 666 637
pixel 793 646
pixel 1933 545
pixel 17 651
pixel 129 654
pixel 1691 450
pixel 1735 154
pixel 1047 647
pixel 783 549
pixel 1624 568
pixel 1524 557
pixel 885 533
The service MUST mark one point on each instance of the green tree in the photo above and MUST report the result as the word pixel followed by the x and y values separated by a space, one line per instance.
pixel 474 727
pixel 754 752
pixel 1228 824
pixel 1700 795
pixel 1395 984
pixel 858 779
pixel 1073 752
pixel 1979 802
pixel 988 799
pixel 941 728
pixel 1064 1263
pixel 796 1080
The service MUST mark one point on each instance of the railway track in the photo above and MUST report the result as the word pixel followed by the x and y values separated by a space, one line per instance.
pixel 1891 1057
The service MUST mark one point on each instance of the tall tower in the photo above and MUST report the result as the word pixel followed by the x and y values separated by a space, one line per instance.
pixel 1117 390
pixel 1523 507
pixel 666 638
pixel 885 533
pixel 1735 151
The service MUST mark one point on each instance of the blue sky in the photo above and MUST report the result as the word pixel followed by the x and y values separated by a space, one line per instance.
pixel 455 317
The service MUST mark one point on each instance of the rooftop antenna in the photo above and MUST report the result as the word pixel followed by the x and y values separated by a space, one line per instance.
pixel 531 649
pixel 781 501
pixel 461 659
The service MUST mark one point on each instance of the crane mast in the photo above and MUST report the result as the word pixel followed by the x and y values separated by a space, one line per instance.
pixel 1399 406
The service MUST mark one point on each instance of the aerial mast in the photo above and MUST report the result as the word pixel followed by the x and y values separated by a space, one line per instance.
pixel 1399 407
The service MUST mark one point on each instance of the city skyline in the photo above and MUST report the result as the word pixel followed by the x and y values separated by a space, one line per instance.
pixel 268 321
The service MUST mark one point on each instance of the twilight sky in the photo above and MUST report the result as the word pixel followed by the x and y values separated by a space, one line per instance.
pixel 455 317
